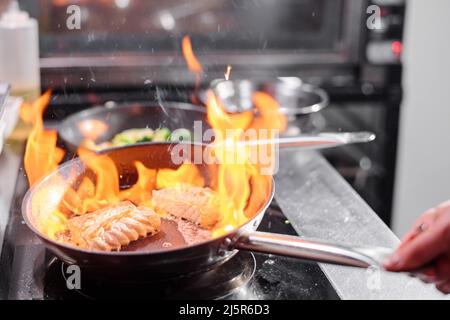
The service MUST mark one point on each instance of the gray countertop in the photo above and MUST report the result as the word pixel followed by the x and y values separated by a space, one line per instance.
pixel 320 204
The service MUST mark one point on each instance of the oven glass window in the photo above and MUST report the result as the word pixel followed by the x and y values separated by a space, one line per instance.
pixel 132 26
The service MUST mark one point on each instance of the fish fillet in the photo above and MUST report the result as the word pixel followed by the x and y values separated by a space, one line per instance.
pixel 195 204
pixel 111 228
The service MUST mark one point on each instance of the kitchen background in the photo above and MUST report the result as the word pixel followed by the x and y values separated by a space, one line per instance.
pixel 389 78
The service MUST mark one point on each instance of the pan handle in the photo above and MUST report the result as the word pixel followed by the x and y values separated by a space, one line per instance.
pixel 312 250
pixel 317 141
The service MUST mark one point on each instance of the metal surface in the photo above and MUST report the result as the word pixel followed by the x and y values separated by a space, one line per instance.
pixel 9 167
pixel 317 141
pixel 331 210
pixel 293 96
pixel 312 250
pixel 4 92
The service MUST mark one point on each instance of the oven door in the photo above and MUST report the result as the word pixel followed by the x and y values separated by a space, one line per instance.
pixel 140 40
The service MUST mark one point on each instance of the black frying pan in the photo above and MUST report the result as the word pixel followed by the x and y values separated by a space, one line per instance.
pixel 152 258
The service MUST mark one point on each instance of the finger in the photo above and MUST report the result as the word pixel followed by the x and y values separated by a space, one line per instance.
pixel 427 275
pixel 444 287
pixel 427 218
pixel 421 250
pixel 423 223
pixel 442 266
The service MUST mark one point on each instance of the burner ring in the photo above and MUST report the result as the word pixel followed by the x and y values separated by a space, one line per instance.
pixel 217 283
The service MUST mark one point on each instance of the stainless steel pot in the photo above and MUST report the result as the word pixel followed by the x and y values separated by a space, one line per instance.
pixel 294 97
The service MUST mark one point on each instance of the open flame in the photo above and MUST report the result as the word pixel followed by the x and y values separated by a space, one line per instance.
pixel 191 60
pixel 238 182
pixel 90 196
pixel 241 186
pixel 42 156
pixel 193 64
pixel 186 173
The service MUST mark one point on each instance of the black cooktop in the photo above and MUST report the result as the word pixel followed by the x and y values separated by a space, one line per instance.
pixel 29 271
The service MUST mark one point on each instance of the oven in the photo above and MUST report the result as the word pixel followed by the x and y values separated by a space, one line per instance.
pixel 127 43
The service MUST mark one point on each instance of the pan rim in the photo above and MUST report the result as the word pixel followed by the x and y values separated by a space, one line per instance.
pixel 64 125
pixel 170 104
pixel 26 203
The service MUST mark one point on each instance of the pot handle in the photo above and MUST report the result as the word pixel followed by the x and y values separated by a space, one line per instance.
pixel 312 250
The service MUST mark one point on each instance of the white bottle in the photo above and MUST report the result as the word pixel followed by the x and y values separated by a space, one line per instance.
pixel 19 52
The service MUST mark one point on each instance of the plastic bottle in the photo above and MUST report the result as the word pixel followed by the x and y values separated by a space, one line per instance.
pixel 19 52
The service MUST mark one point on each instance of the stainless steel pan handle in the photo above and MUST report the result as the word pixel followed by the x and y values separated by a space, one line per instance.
pixel 311 250
pixel 317 141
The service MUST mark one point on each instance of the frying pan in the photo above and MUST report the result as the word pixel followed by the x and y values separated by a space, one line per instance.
pixel 120 117
pixel 175 115
pixel 151 257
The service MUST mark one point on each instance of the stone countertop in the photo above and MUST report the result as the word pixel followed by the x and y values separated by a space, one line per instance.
pixel 320 204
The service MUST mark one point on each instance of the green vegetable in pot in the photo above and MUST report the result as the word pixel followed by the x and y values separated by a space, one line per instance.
pixel 181 135
pixel 160 135
pixel 132 136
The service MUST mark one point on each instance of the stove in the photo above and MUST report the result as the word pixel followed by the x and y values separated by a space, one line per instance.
pixel 30 271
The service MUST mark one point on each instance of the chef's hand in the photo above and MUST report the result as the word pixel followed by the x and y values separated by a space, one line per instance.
pixel 427 248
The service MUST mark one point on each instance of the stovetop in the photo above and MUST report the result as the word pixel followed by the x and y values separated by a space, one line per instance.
pixel 30 271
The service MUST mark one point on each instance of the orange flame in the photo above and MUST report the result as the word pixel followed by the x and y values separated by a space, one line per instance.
pixel 41 153
pixel 238 182
pixel 269 113
pixel 191 60
pixel 141 192
pixel 107 187
pixel 222 121
pixel 242 188
pixel 91 196
pixel 46 217
pixel 193 64
pixel 186 173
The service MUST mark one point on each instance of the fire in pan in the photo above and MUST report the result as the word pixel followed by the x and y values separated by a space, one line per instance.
pixel 180 246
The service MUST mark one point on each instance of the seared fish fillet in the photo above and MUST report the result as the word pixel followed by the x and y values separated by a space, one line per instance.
pixel 111 228
pixel 195 204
